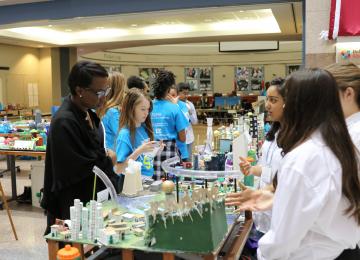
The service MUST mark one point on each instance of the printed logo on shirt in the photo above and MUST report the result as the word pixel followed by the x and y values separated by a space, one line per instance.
pixel 148 162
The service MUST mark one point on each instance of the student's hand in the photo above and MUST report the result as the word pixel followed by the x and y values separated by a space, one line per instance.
pixel 254 200
pixel 245 166
pixel 147 147
pixel 172 99
pixel 112 155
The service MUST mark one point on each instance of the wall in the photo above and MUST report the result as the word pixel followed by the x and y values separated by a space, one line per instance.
pixel 24 69
pixel 56 80
pixel 223 64
pixel 28 66
pixel 319 53
pixel 45 79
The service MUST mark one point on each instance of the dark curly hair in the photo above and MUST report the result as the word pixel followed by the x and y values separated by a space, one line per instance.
pixel 164 80
pixel 275 126
pixel 82 74
pixel 135 82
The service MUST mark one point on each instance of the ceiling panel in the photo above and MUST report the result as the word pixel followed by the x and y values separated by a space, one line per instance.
pixel 206 24
pixel 17 2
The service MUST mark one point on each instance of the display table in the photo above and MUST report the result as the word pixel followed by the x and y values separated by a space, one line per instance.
pixel 229 244
pixel 229 248
pixel 10 158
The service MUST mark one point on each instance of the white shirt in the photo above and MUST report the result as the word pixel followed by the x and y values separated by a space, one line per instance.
pixel 270 163
pixel 193 121
pixel 308 220
pixel 353 124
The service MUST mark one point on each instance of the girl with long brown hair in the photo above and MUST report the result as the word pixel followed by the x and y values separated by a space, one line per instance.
pixel 316 208
pixel 136 136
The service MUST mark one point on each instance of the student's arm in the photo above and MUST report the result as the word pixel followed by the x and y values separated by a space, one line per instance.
pixel 124 154
pixel 247 169
pixel 181 123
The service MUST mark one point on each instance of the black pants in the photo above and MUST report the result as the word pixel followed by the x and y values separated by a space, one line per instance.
pixel 350 254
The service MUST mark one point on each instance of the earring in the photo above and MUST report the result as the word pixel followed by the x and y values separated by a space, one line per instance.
pixel 80 96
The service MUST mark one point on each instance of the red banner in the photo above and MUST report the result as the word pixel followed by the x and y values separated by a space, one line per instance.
pixel 344 18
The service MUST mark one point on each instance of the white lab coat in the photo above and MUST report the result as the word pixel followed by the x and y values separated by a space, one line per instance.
pixel 193 121
pixel 269 161
pixel 353 124
pixel 308 220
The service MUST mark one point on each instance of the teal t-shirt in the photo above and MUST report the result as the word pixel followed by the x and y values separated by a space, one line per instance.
pixel 111 124
pixel 182 145
pixel 124 148
pixel 167 120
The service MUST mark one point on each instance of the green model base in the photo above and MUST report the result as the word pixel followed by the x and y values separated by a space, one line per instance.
pixel 199 234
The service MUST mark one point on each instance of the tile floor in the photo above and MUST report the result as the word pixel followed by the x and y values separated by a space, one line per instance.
pixel 30 222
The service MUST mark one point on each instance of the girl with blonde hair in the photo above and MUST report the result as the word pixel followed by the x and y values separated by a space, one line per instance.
pixel 110 112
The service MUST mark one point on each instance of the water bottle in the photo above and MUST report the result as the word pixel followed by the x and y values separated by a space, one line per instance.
pixel 249 180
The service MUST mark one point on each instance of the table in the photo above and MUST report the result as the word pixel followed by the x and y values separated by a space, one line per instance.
pixel 229 248
pixel 233 253
pixel 10 158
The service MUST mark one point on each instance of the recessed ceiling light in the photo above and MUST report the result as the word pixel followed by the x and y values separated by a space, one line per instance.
pixel 207 20
pixel 50 25
pixel 241 11
pixel 167 29
pixel 99 27
pixel 134 25
pixel 68 30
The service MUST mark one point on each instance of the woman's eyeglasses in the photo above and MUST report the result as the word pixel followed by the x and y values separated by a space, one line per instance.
pixel 101 93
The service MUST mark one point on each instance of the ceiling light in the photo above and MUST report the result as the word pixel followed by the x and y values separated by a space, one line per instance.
pixel 266 24
pixel 68 30
pixel 50 25
pixel 99 27
pixel 134 25
pixel 241 11
pixel 167 29
pixel 101 33
pixel 41 34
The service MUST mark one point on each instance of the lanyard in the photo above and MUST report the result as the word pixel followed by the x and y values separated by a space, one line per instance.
pixel 272 149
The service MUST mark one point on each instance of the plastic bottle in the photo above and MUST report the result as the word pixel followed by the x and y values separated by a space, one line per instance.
pixel 249 180
pixel 68 253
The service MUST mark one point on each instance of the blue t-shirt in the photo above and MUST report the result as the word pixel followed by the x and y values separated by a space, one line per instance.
pixel 111 124
pixel 182 145
pixel 167 120
pixel 124 148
